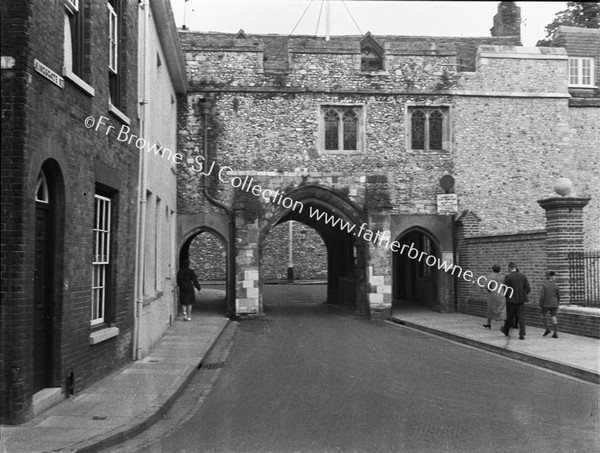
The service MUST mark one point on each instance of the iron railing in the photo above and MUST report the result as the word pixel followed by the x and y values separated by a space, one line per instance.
pixel 584 278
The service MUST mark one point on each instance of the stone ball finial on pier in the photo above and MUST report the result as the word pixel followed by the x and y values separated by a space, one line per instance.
pixel 563 186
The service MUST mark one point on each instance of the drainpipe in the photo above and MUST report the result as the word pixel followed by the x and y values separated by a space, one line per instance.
pixel 204 108
pixel 142 200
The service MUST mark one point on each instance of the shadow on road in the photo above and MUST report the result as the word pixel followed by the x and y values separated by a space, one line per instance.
pixel 211 299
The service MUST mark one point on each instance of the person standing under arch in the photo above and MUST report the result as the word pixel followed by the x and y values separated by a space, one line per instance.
pixel 187 281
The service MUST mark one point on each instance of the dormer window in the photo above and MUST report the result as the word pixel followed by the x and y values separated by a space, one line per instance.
pixel 371 54
pixel 581 71
pixel 241 35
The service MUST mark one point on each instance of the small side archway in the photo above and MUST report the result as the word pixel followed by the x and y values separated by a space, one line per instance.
pixel 215 268
pixel 416 276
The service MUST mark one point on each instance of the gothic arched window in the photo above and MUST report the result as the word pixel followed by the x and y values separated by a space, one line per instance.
pixel 341 128
pixel 436 123
pixel 418 130
pixel 350 126
pixel 332 124
pixel 429 129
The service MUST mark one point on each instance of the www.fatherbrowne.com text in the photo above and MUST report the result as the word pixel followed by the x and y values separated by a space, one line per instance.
pixel 274 196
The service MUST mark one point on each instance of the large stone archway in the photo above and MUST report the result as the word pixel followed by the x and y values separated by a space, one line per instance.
pixel 346 256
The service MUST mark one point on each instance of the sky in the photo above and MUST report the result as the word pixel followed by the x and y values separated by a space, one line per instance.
pixel 356 17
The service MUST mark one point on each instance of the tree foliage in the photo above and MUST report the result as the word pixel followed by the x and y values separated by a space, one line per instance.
pixel 577 14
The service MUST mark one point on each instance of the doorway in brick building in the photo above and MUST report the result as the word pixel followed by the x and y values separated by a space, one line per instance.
pixel 46 276
pixel 416 283
pixel 207 252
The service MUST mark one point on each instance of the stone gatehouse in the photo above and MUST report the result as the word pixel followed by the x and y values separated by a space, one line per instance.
pixel 363 128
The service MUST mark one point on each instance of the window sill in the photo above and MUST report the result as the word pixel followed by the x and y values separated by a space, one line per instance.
pixel 429 151
pixel 78 82
pixel 346 153
pixel 374 73
pixel 120 115
pixel 590 87
pixel 102 335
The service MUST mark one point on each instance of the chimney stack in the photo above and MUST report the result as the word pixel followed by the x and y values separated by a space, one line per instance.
pixel 507 22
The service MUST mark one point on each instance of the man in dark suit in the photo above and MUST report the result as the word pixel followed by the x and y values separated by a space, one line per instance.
pixel 516 295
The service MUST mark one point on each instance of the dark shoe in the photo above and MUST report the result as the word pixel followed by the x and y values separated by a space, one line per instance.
pixel 547 332
pixel 521 337
pixel 487 326
pixel 504 332
pixel 555 336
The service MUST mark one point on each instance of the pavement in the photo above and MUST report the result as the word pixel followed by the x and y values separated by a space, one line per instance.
pixel 130 399
pixel 573 355
pixel 125 402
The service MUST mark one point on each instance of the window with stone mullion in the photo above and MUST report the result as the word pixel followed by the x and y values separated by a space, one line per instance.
pixel 427 129
pixel 340 128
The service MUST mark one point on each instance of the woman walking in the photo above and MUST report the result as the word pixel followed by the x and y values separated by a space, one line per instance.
pixel 496 303
pixel 187 280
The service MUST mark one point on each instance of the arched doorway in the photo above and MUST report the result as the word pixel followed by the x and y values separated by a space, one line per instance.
pixel 415 281
pixel 331 216
pixel 47 277
pixel 207 252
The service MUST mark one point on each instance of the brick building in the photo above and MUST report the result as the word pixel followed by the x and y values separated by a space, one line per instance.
pixel 363 129
pixel 69 191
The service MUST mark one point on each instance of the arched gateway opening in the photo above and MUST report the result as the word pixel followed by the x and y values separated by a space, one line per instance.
pixel 207 252
pixel 416 282
pixel 332 217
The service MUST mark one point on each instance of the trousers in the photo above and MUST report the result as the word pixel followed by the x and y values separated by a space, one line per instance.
pixel 511 311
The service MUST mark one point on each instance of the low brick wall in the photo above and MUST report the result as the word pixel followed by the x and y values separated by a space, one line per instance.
pixel 528 250
pixel 571 319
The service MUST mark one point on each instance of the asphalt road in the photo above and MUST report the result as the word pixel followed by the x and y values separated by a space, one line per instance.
pixel 309 378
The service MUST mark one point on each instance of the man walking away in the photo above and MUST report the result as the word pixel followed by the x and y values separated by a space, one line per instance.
pixel 549 300
pixel 515 299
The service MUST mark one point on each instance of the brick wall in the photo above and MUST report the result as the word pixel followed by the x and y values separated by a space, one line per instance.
pixel 48 126
pixel 15 27
pixel 529 251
